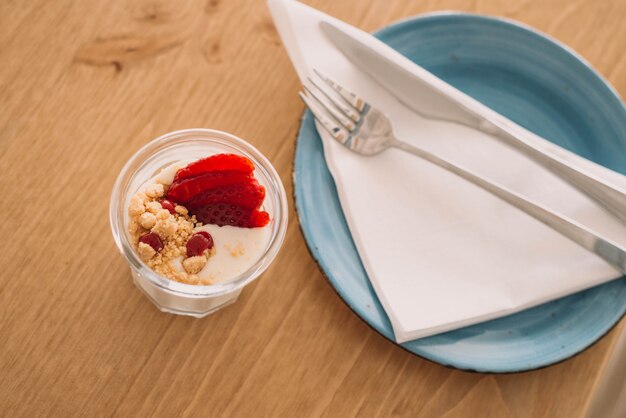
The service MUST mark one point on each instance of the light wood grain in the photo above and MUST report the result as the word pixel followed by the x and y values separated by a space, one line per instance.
pixel 85 84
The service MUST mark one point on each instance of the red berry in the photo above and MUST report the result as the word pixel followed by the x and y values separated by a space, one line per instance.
pixel 215 163
pixel 234 215
pixel 207 236
pixel 199 243
pixel 153 240
pixel 166 204
pixel 183 191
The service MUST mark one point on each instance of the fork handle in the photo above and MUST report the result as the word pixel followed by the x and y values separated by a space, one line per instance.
pixel 612 253
pixel 609 196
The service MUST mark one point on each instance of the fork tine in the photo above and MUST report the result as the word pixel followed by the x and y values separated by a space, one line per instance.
pixel 337 102
pixel 354 100
pixel 332 108
pixel 334 129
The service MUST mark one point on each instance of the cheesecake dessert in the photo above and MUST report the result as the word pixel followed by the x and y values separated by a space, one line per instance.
pixel 201 222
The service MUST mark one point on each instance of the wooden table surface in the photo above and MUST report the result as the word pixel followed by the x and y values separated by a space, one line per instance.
pixel 83 85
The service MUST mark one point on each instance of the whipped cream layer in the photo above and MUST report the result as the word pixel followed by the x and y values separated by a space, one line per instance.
pixel 167 174
pixel 235 251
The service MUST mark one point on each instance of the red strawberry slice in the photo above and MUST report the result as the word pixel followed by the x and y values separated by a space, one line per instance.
pixel 221 190
pixel 184 190
pixel 234 215
pixel 249 195
pixel 214 163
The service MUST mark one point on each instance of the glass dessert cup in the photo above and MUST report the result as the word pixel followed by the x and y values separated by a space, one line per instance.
pixel 192 144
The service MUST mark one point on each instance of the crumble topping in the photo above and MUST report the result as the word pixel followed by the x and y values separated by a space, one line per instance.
pixel 153 207
pixel 194 264
pixel 145 251
pixel 237 250
pixel 174 229
pixel 155 190
pixel 147 220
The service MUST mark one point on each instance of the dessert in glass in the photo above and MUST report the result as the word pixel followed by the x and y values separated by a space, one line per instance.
pixel 198 214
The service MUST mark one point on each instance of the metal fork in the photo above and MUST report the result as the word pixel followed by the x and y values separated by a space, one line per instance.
pixel 367 131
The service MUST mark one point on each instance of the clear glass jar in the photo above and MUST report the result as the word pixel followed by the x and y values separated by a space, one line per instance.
pixel 193 144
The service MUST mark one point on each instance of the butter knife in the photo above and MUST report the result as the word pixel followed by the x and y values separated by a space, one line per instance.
pixel 433 98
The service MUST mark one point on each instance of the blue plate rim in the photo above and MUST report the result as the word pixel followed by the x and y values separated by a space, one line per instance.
pixel 381 31
pixel 510 22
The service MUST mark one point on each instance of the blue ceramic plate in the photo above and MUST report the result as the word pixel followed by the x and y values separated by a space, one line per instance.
pixel 539 84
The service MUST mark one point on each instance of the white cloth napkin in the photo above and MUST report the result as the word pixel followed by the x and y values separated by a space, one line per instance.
pixel 441 253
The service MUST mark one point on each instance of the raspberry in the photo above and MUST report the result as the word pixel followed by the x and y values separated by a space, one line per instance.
pixel 207 236
pixel 199 243
pixel 153 240
pixel 166 204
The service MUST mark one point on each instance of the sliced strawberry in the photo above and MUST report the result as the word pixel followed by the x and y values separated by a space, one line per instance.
pixel 234 215
pixel 214 163
pixel 249 195
pixel 259 218
pixel 184 190
pixel 221 190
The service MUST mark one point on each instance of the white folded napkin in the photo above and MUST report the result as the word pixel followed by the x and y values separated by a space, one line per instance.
pixel 440 252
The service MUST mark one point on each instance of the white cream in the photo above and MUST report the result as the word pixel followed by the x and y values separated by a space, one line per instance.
pixel 236 250
pixel 166 175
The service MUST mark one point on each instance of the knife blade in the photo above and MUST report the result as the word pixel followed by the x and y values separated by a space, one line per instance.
pixel 422 94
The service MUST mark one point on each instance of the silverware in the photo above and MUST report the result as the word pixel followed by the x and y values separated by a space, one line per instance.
pixel 367 131
pixel 430 97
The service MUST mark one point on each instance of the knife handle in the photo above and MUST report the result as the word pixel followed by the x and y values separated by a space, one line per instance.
pixel 607 195
pixel 611 252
